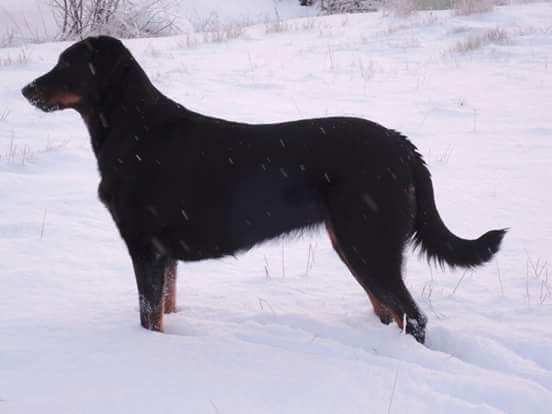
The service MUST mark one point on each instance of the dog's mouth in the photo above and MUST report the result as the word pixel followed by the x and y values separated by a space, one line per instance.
pixel 49 104
pixel 35 98
pixel 44 105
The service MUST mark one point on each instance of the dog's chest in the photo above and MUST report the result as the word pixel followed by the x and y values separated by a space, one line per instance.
pixel 104 194
pixel 107 195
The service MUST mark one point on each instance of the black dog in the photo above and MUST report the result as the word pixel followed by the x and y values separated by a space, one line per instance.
pixel 184 186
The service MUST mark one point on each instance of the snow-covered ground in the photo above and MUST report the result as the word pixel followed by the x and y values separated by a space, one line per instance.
pixel 285 328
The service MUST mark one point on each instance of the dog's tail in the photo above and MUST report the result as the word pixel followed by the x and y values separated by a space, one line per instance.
pixel 435 240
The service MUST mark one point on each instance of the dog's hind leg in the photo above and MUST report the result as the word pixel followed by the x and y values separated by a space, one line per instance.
pixel 383 313
pixel 170 288
pixel 379 273
pixel 380 309
pixel 150 269
pixel 371 245
pixel 403 308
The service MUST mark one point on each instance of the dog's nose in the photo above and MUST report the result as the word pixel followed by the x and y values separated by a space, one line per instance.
pixel 29 90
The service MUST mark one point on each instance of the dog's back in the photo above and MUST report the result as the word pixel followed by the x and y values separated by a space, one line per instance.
pixel 222 187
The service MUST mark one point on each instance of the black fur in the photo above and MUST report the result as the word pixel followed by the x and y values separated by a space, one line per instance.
pixel 436 241
pixel 184 186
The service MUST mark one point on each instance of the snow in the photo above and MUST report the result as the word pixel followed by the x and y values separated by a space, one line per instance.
pixel 285 328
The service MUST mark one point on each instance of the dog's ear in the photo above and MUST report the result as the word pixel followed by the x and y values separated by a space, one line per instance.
pixel 109 59
pixel 108 44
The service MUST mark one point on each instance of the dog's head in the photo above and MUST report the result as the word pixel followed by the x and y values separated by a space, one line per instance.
pixel 82 76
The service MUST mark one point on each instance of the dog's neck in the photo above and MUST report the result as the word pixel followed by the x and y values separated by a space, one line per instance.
pixel 131 97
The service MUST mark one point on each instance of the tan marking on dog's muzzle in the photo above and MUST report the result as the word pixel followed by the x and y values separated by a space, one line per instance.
pixel 66 100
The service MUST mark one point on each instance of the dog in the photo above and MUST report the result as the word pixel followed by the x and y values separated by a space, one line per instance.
pixel 182 186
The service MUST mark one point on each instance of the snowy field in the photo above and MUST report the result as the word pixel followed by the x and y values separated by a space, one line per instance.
pixel 285 328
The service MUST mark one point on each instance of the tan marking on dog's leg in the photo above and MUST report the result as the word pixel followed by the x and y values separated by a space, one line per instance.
pixel 158 326
pixel 170 289
pixel 380 309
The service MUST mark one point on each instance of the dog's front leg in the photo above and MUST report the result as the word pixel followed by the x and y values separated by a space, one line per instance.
pixel 150 277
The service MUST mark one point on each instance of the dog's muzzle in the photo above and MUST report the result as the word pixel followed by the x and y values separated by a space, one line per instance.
pixel 42 100
pixel 32 94
pixel 29 91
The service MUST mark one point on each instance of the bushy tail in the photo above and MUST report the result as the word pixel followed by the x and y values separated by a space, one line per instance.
pixel 438 242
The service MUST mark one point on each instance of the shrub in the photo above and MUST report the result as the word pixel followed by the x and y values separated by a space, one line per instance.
pixel 467 7
pixel 349 6
pixel 123 18
pixel 401 8
pixel 494 36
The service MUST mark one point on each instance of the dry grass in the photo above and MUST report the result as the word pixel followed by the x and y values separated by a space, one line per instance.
pixel 187 41
pixel 367 71
pixel 282 26
pixel 277 26
pixel 16 154
pixel 496 36
pixel 418 23
pixel 4 114
pixel 467 7
pixel 7 39
pixel 20 58
pixel 459 30
pixel 400 8
pixel 532 30
pixel 223 33
pixel 538 275
pixel 20 31
pixel 406 8
pixel 212 29
pixel 348 6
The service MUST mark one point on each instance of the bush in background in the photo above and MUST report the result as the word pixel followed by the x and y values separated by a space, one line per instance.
pixel 400 8
pixel 121 18
pixel 466 7
pixel 346 6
